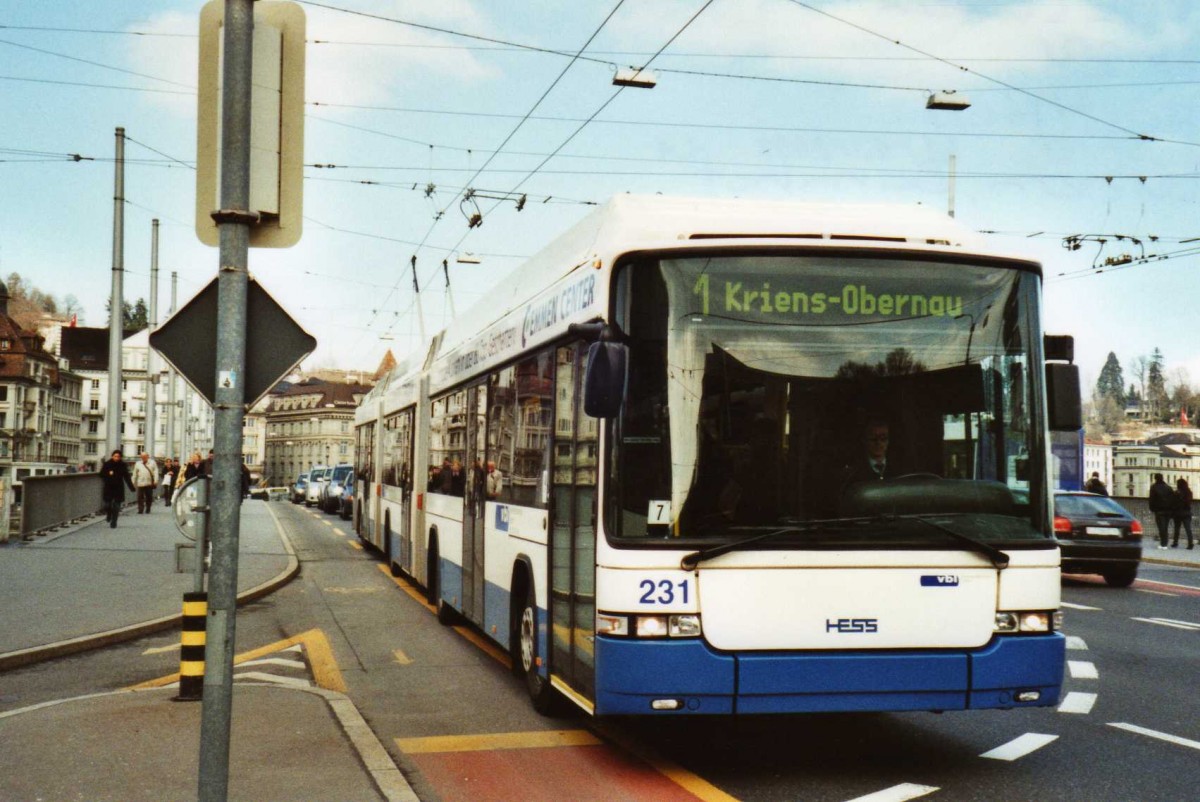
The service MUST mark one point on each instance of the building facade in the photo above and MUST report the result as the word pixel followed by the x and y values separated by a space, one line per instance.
pixel 1098 458
pixel 310 424
pixel 33 421
pixel 1175 455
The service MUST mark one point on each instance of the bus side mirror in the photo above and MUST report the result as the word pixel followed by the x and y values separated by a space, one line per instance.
pixel 1062 396
pixel 604 380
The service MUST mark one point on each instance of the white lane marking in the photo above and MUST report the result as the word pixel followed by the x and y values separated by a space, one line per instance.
pixel 1078 606
pixel 898 793
pixel 1076 702
pixel 1177 621
pixel 1157 593
pixel 261 676
pixel 1082 669
pixel 161 649
pixel 1166 622
pixel 1076 642
pixel 1162 736
pixel 274 661
pixel 1020 747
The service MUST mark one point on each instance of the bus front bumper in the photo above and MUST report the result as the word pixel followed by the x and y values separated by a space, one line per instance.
pixel 641 677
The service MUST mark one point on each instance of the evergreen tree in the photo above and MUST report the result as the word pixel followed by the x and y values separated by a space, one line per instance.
pixel 1111 383
pixel 1156 387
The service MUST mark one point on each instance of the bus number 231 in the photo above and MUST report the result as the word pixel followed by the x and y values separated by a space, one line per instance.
pixel 663 592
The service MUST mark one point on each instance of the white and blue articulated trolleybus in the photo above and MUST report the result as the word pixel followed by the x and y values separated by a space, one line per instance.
pixel 679 397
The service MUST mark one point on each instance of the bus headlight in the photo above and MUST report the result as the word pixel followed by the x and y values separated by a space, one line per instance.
pixel 1028 621
pixel 651 626
pixel 609 624
pixel 684 625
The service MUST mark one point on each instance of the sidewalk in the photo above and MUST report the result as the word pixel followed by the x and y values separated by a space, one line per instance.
pixel 90 585
pixel 1179 555
pixel 116 584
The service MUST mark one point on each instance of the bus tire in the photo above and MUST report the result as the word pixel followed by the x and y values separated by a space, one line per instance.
pixel 542 695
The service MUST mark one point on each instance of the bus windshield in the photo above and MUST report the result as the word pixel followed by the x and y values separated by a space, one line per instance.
pixel 873 392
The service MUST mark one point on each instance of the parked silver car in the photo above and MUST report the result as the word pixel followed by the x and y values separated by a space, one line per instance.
pixel 331 493
pixel 317 477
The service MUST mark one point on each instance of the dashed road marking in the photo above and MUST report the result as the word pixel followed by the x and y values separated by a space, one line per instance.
pixel 1020 747
pixel 354 545
pixel 1082 669
pixel 1162 736
pixel 1076 702
pixel 1079 606
pixel 1077 643
pixel 401 658
pixel 898 793
pixel 1157 592
pixel 539 739
pixel 161 649
pixel 1170 622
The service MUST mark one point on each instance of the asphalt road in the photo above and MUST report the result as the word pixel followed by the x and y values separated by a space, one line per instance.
pixel 458 723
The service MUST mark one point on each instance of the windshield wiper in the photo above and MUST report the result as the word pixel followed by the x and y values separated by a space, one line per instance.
pixel 999 558
pixel 690 561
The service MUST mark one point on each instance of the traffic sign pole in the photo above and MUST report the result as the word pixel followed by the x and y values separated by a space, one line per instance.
pixel 233 221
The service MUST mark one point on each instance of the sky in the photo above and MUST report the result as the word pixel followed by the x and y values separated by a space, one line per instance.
pixel 1083 123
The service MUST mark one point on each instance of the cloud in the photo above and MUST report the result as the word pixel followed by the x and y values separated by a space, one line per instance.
pixel 1024 30
pixel 359 60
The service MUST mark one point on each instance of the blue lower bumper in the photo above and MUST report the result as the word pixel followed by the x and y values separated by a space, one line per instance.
pixel 632 673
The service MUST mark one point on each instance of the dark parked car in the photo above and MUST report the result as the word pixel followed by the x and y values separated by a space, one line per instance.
pixel 299 488
pixel 346 502
pixel 1097 536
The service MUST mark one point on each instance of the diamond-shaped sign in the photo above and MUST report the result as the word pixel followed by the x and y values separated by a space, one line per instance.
pixel 275 343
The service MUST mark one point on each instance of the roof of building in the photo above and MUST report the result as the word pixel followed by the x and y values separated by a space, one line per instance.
pixel 1175 439
pixel 325 394
pixel 21 345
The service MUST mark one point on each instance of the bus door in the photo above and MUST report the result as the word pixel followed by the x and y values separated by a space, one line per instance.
pixel 473 503
pixel 573 527
pixel 404 479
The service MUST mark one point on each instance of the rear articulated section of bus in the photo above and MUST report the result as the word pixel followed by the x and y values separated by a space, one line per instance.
pixel 953 634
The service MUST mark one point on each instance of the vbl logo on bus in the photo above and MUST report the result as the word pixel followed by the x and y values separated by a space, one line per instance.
pixel 502 517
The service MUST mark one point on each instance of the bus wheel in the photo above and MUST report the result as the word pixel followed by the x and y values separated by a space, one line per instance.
pixel 544 698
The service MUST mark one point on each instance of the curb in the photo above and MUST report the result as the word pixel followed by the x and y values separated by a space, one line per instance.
pixel 51 651
pixel 1179 563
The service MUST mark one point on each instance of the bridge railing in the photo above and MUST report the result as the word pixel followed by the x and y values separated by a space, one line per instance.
pixel 48 502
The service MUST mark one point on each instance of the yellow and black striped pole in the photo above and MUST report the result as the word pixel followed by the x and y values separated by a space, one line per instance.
pixel 191 653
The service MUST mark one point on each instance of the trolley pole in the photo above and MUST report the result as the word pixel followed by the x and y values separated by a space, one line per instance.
pixel 116 307
pixel 234 221
pixel 172 412
pixel 151 360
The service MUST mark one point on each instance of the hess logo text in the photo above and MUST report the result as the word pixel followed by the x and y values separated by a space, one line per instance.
pixel 852 625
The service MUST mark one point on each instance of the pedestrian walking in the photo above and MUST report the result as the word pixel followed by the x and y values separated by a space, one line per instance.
pixel 1162 504
pixel 194 468
pixel 1183 511
pixel 170 471
pixel 114 473
pixel 1095 485
pixel 145 479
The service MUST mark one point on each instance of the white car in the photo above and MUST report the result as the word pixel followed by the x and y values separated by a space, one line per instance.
pixel 317 478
